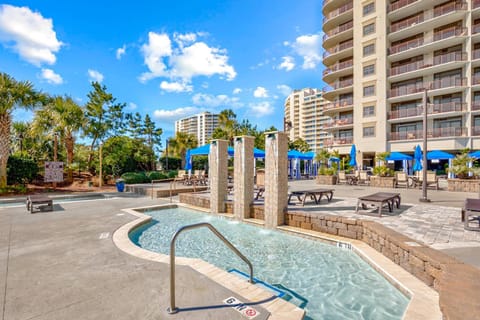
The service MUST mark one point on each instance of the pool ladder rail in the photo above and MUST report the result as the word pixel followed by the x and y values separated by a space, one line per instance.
pixel 173 309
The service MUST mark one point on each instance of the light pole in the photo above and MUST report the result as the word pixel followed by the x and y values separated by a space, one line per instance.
pixel 424 172
pixel 166 156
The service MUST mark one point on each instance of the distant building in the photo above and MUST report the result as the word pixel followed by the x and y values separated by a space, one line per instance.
pixel 304 111
pixel 199 125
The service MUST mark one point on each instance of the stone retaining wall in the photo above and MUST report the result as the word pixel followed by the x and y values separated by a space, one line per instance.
pixel 382 182
pixel 464 185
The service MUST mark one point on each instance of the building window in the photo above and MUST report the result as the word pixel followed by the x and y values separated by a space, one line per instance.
pixel 368 111
pixel 368 8
pixel 368 70
pixel 368 132
pixel 368 29
pixel 369 49
pixel 368 91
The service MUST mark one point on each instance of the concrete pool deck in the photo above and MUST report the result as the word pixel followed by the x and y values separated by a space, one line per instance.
pixel 64 264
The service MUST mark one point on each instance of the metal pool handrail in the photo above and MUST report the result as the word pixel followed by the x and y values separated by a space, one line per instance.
pixel 172 309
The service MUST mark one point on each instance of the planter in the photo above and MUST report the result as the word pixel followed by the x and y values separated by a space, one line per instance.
pixel 329 180
pixel 464 185
pixel 382 182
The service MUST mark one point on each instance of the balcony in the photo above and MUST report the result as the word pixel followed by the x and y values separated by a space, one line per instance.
pixel 337 12
pixel 449 7
pixel 475 79
pixel 336 68
pixel 475 105
pixel 399 25
pixel 335 123
pixel 476 53
pixel 448 82
pixel 337 30
pixel 338 34
pixel 432 109
pixel 406 90
pixel 338 52
pixel 399 4
pixel 338 141
pixel 439 35
pixel 476 4
pixel 337 105
pixel 449 57
pixel 407 68
pixel 433 133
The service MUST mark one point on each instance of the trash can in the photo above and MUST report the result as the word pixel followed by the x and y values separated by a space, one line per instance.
pixel 120 185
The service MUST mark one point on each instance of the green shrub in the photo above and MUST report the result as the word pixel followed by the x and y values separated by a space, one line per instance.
pixel 155 175
pixel 21 170
pixel 172 174
pixel 18 189
pixel 383 171
pixel 135 177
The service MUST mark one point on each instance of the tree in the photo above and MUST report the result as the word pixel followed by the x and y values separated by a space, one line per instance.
pixel 300 145
pixel 181 143
pixel 13 94
pixel 134 124
pixel 102 115
pixel 227 122
pixel 64 117
pixel 322 156
pixel 152 135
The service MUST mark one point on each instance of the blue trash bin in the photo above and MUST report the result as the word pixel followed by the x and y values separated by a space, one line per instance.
pixel 120 185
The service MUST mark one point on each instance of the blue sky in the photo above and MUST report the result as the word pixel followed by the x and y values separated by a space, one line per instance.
pixel 169 59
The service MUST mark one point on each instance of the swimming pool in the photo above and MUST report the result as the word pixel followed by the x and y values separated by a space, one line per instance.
pixel 329 282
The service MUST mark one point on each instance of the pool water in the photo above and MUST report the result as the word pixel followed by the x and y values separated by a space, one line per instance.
pixel 335 283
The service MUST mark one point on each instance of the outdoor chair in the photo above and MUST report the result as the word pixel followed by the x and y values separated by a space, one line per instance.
pixel 432 179
pixel 401 179
pixel 181 176
pixel 259 184
pixel 363 178
pixel 342 178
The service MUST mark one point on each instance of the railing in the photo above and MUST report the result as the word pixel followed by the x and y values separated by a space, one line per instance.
pixel 340 84
pixel 407 89
pixel 407 68
pixel 440 35
pixel 339 122
pixel 434 133
pixel 476 54
pixel 449 7
pixel 335 13
pixel 338 48
pixel 475 28
pixel 476 79
pixel 475 131
pixel 337 30
pixel 475 105
pixel 399 4
pixel 338 67
pixel 448 82
pixel 432 109
pixel 338 141
pixel 450 57
pixel 405 113
pixel 338 104
pixel 173 309
pixel 402 24
pixel 476 4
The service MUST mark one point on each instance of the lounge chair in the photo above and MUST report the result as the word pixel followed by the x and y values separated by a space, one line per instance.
pixel 259 184
pixel 315 195
pixel 342 178
pixel 181 176
pixel 432 179
pixel 471 213
pixel 378 200
pixel 401 179
pixel 363 178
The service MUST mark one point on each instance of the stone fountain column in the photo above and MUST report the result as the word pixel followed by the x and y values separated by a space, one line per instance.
pixel 276 178
pixel 243 177
pixel 218 174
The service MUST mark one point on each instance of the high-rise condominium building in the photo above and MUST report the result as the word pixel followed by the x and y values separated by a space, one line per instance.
pixel 199 125
pixel 304 111
pixel 380 55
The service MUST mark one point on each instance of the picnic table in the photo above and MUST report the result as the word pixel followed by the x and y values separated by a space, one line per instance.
pixel 40 202
pixel 378 200
pixel 315 194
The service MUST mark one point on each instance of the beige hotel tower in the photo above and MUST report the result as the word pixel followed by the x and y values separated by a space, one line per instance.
pixel 379 57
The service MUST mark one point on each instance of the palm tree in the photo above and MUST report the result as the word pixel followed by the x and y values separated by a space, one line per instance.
pixel 13 94
pixel 322 156
pixel 64 117
pixel 227 121
pixel 181 143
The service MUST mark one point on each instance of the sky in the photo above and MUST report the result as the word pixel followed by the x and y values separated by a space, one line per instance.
pixel 168 59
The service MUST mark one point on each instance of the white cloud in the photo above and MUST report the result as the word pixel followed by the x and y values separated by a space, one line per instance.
pixel 175 114
pixel 51 76
pixel 261 109
pixel 29 34
pixel 288 63
pixel 94 75
pixel 132 106
pixel 309 47
pixel 284 89
pixel 211 101
pixel 121 51
pixel 184 58
pixel 237 90
pixel 175 86
pixel 260 92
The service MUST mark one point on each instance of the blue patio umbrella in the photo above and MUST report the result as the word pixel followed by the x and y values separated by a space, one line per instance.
pixel 353 156
pixel 417 166
pixel 188 161
pixel 439 155
pixel 475 154
pixel 396 156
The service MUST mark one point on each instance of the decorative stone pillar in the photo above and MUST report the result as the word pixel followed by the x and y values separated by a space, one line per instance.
pixel 243 177
pixel 218 175
pixel 276 178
